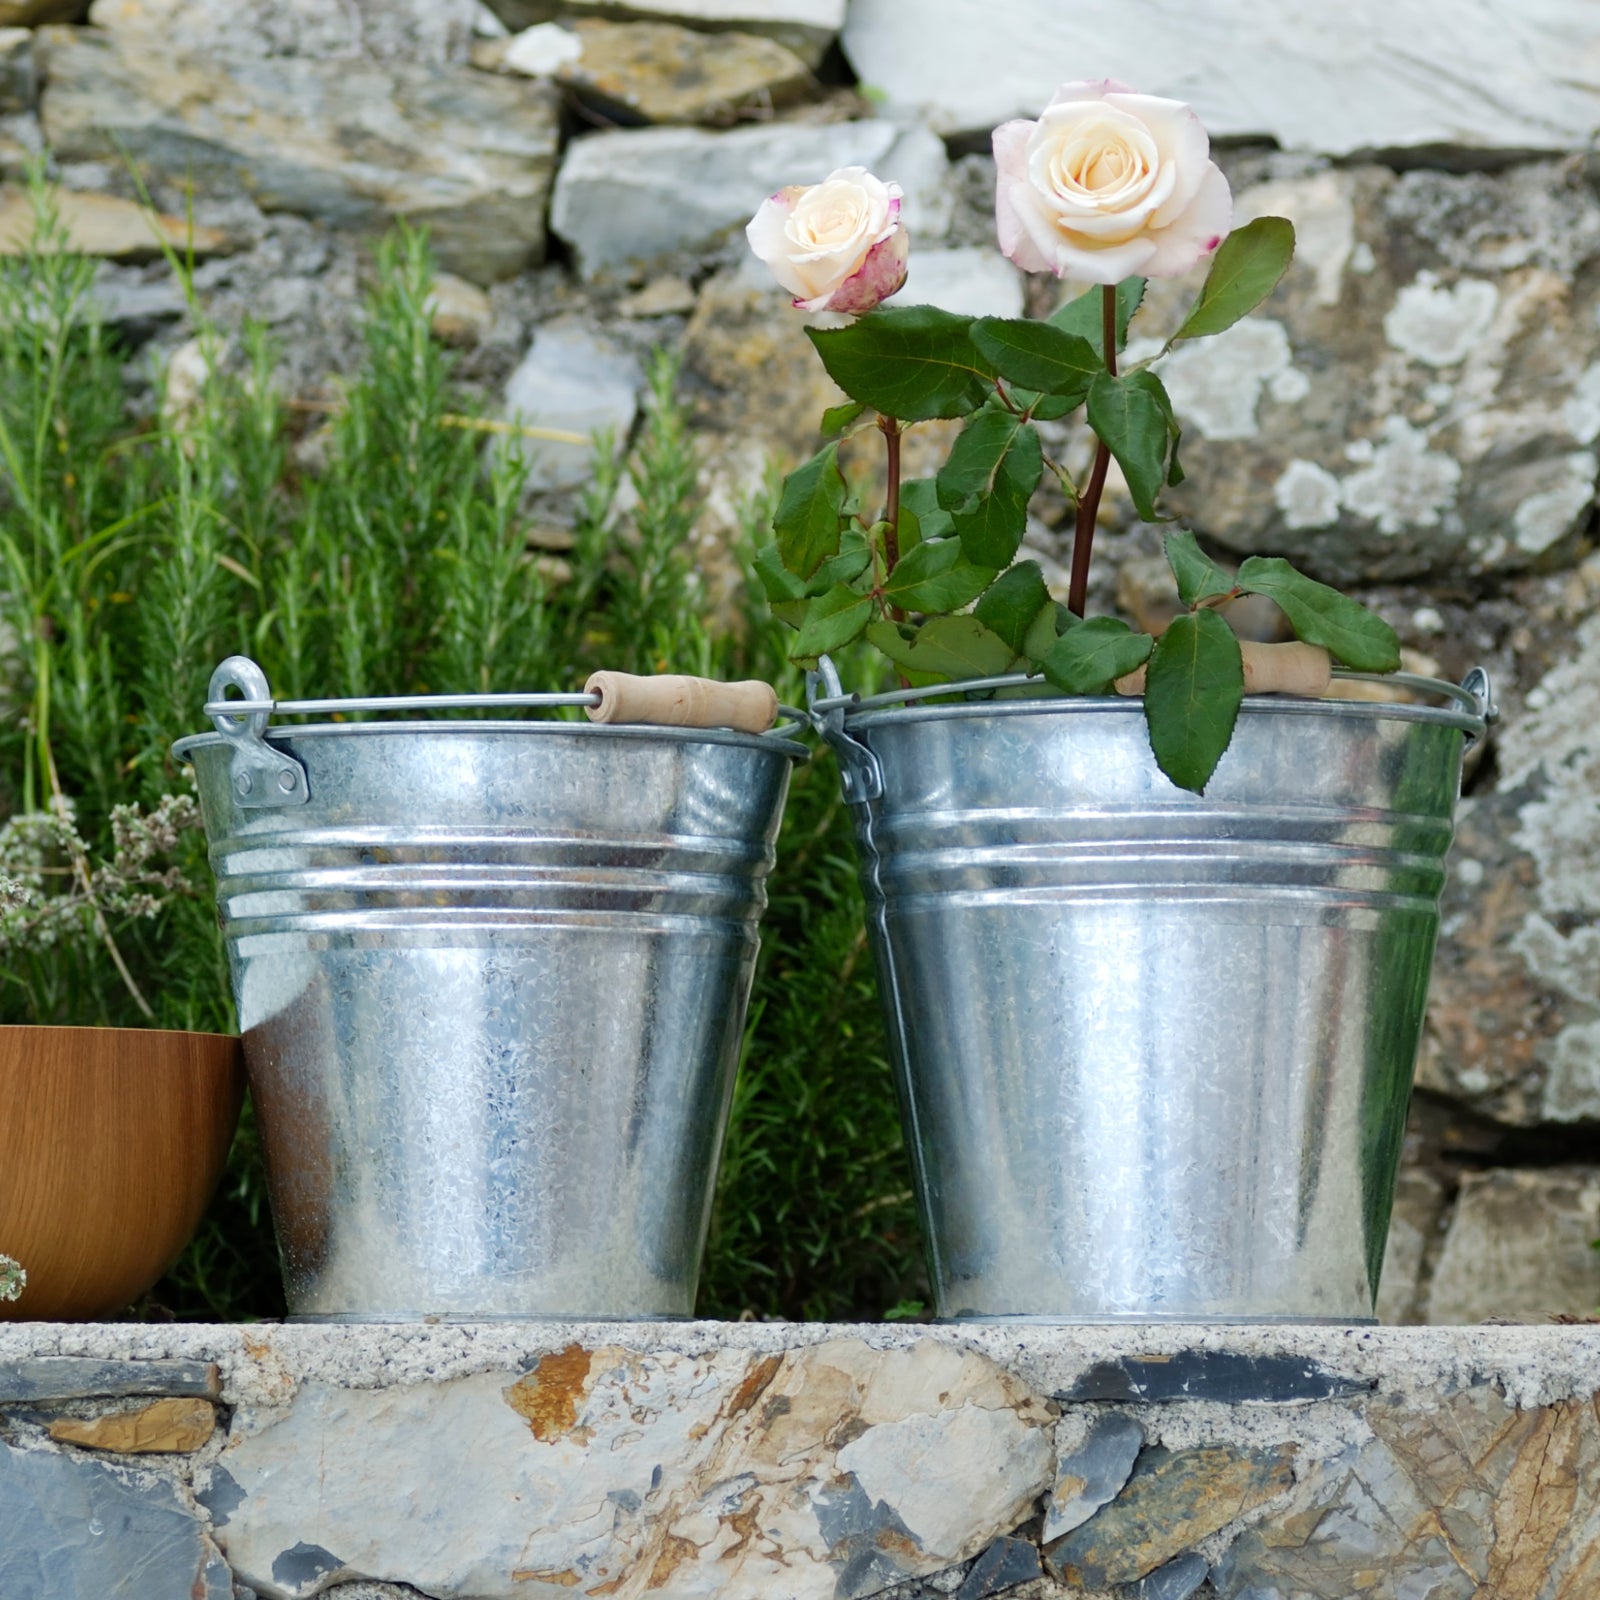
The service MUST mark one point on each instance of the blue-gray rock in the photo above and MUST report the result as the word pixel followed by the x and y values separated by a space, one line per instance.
pixel 1174 1499
pixel 1093 1474
pixel 18 85
pixel 1004 1565
pixel 84 1378
pixel 571 381
pixel 1228 1376
pixel 466 154
pixel 76 1529
pixel 626 198
pixel 1176 1581
pixel 1475 1498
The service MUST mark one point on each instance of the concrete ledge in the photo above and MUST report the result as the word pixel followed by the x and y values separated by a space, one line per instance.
pixel 791 1461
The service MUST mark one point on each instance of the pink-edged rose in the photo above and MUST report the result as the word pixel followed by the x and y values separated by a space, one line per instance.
pixel 838 245
pixel 1108 184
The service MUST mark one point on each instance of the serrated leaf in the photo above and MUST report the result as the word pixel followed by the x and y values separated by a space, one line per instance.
pixel 920 496
pixel 908 533
pixel 1245 270
pixel 786 593
pixel 832 621
pixel 1199 577
pixel 1038 356
pixel 1044 407
pixel 976 457
pixel 936 577
pixel 944 647
pixel 1352 635
pixel 1131 421
pixel 837 418
pixel 1085 318
pixel 992 530
pixel 1013 602
pixel 1044 630
pixel 810 517
pixel 1192 691
pixel 1089 657
pixel 910 362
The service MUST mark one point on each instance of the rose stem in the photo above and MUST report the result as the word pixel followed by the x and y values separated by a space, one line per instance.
pixel 891 510
pixel 1089 505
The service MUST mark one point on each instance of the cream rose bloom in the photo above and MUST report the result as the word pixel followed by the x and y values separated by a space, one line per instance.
pixel 838 245
pixel 1108 184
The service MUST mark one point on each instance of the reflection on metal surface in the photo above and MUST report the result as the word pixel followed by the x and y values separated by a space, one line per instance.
pixel 492 981
pixel 1154 1050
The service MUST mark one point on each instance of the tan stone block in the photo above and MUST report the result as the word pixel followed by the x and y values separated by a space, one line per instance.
pixel 164 1427
pixel 102 225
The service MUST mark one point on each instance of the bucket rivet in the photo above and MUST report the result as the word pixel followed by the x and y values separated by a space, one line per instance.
pixel 242 783
pixel 286 781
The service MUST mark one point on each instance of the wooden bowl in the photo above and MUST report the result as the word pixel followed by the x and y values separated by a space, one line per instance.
pixel 111 1143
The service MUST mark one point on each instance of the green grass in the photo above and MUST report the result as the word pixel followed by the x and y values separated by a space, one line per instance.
pixel 139 550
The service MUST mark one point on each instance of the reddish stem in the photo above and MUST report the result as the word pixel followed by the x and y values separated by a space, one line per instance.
pixel 1089 503
pixel 891 510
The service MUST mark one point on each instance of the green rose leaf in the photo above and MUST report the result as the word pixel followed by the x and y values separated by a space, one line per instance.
pixel 910 362
pixel 1012 604
pixel 1245 270
pixel 976 458
pixel 991 531
pixel 1043 407
pixel 920 496
pixel 1038 356
pixel 1089 657
pixel 1133 419
pixel 831 622
pixel 936 576
pixel 1199 577
pixel 1192 692
pixel 788 594
pixel 1344 627
pixel 1045 629
pixel 944 647
pixel 811 513
pixel 1084 316
pixel 837 418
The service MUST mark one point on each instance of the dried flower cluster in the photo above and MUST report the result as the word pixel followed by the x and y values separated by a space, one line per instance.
pixel 45 899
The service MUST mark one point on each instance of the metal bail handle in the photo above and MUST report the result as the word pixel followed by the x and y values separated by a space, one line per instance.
pixel 860 776
pixel 261 776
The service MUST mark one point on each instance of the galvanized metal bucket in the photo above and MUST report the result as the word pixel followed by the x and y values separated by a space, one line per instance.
pixel 1154 1050
pixel 492 978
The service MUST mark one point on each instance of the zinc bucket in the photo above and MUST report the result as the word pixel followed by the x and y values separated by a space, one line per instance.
pixel 1154 1050
pixel 491 976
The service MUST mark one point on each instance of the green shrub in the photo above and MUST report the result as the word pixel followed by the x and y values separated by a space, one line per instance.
pixel 139 552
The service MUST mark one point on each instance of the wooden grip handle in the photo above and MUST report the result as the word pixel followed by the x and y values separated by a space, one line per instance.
pixel 672 701
pixel 1268 669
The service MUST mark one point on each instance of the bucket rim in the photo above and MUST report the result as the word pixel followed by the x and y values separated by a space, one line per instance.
pixel 869 717
pixel 774 744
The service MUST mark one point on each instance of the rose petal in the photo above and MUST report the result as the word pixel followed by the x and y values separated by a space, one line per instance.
pixel 1011 163
pixel 768 242
pixel 882 274
pixel 1197 232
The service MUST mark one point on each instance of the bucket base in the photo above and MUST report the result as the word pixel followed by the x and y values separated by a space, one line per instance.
pixel 451 1318
pixel 1148 1319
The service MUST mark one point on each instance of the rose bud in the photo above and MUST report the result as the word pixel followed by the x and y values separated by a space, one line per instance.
pixel 838 245
pixel 1108 184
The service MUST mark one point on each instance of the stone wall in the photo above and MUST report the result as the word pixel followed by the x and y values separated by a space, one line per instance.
pixel 798 1462
pixel 1414 413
